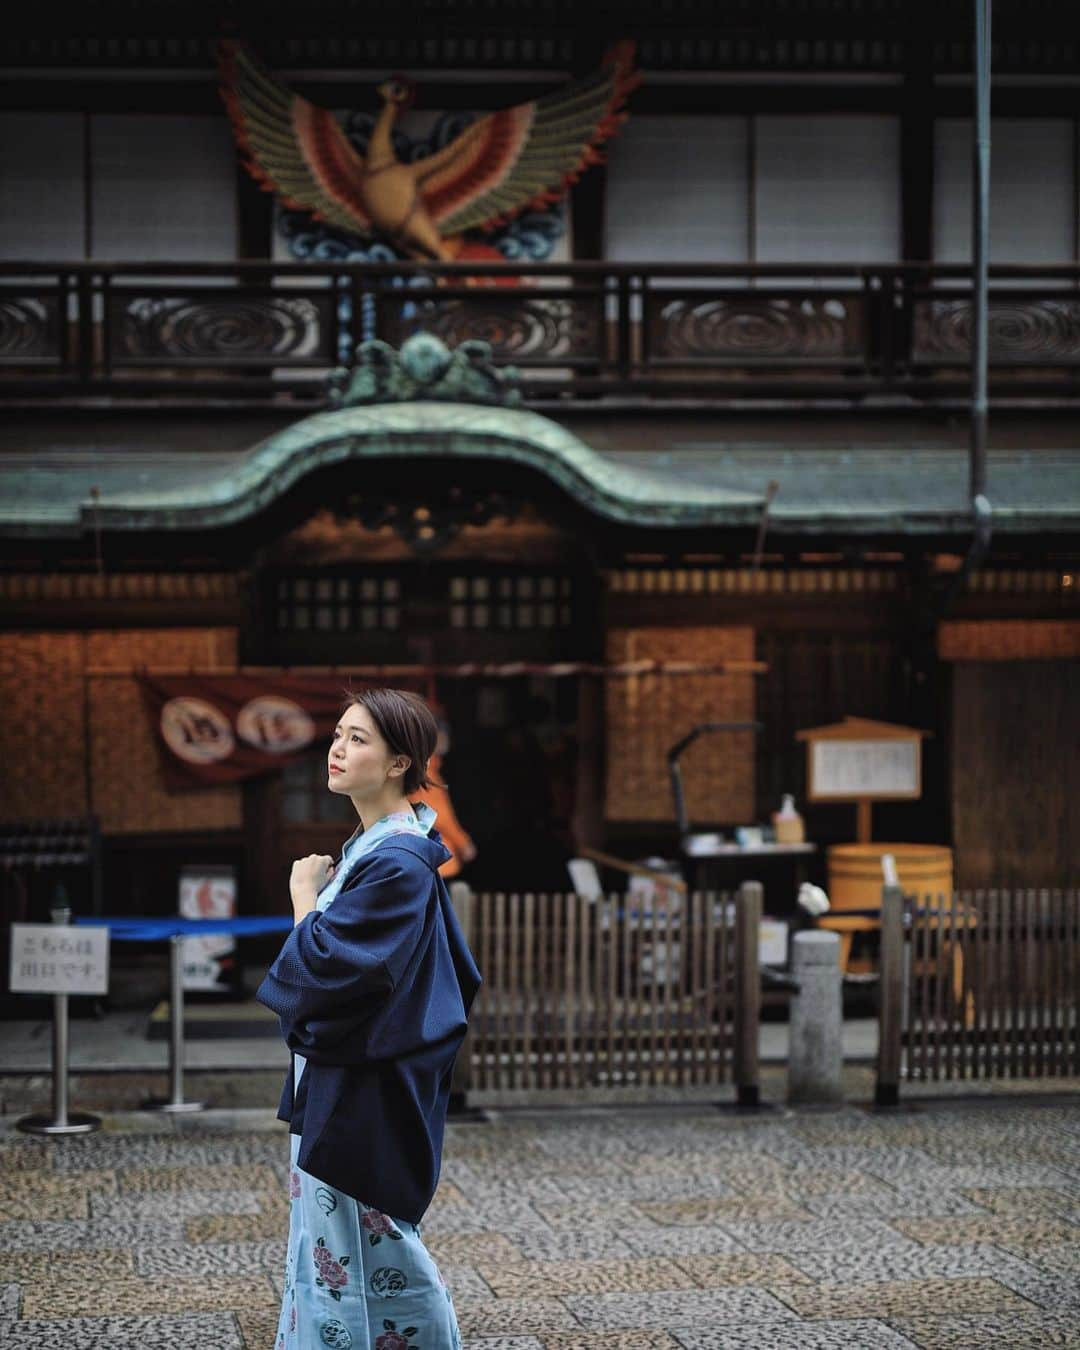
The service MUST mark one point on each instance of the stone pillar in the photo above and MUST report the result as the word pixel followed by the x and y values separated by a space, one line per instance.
pixel 816 1054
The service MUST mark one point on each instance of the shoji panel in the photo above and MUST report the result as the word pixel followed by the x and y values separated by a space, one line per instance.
pixel 163 187
pixel 677 189
pixel 828 189
pixel 1032 203
pixel 41 186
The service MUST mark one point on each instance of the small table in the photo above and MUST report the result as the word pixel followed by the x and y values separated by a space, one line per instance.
pixel 704 868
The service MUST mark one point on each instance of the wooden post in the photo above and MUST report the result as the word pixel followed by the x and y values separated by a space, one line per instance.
pixel 890 1024
pixel 863 828
pixel 461 898
pixel 747 1012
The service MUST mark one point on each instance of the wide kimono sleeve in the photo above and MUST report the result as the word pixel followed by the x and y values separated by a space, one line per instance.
pixel 339 966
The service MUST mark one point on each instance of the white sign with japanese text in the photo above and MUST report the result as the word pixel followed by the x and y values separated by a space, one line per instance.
pixel 50 958
pixel 846 769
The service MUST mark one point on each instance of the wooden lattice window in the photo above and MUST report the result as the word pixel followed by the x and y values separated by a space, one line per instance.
pixel 511 602
pixel 338 604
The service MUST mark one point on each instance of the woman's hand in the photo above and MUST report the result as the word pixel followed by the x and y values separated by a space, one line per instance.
pixel 309 875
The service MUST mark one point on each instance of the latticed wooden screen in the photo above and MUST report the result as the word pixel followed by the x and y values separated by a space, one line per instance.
pixel 646 714
pixel 1010 640
pixel 41 730
pixel 47 704
pixel 129 793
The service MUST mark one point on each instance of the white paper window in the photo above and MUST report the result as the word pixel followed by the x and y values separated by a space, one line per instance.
pixel 677 189
pixel 164 187
pixel 828 189
pixel 1032 207
pixel 41 186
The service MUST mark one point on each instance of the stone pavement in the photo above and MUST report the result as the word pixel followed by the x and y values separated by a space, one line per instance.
pixel 943 1225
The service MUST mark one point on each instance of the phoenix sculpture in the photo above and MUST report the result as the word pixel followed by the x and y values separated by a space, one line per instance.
pixel 524 157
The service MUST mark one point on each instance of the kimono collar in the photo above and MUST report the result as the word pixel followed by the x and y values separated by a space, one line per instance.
pixel 420 820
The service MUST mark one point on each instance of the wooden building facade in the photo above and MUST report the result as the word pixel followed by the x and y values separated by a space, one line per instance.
pixel 737 437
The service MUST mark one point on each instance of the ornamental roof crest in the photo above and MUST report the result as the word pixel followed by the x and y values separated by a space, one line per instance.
pixel 424 369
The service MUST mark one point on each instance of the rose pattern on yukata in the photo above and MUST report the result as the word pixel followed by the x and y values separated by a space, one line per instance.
pixel 378 1226
pixel 355 1278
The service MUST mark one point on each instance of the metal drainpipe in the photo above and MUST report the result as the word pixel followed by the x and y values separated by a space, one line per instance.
pixel 981 512
pixel 980 250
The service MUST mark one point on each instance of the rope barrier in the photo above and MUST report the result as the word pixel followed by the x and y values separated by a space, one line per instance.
pixel 174 929
pixel 135 929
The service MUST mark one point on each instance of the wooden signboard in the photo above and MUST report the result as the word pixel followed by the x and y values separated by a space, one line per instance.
pixel 863 761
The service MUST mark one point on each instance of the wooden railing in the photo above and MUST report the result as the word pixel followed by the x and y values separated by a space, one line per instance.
pixel 978 985
pixel 265 333
pixel 610 995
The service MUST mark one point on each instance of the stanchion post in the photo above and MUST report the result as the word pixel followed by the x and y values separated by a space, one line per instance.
pixel 748 905
pixel 175 1103
pixel 893 989
pixel 61 1121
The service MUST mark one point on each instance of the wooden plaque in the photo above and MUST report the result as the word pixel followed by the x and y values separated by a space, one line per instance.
pixel 860 760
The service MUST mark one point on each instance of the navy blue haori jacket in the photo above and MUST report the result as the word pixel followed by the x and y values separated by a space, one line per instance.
pixel 375 993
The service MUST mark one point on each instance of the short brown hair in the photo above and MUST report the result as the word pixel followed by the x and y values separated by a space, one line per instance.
pixel 406 724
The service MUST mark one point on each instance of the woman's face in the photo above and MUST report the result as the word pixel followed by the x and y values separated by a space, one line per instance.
pixel 360 763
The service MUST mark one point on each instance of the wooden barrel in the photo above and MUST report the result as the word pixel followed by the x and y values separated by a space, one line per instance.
pixel 855 878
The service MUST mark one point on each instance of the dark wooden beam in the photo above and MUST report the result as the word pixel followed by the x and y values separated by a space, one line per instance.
pixel 917 157
pixel 254 217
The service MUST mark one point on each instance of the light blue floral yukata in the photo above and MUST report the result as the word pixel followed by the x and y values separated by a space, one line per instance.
pixel 356 1279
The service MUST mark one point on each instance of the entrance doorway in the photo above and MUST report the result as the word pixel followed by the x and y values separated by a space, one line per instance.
pixel 511 772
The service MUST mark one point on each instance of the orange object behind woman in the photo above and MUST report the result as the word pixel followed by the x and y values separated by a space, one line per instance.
pixel 437 795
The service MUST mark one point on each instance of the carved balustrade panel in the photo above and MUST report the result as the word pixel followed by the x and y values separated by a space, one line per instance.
pixel 1021 331
pixel 522 325
pixel 584 330
pixel 222 329
pixel 29 328
pixel 754 326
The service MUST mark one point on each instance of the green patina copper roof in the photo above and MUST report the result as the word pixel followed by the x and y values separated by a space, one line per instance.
pixel 857 491
pixel 428 402
pixel 44 494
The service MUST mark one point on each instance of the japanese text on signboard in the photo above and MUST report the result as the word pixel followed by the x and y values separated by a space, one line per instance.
pixel 54 959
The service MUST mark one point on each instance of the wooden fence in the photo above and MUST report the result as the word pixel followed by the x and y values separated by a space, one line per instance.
pixel 981 984
pixel 610 995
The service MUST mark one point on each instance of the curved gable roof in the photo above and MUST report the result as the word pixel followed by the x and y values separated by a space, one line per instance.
pixel 207 491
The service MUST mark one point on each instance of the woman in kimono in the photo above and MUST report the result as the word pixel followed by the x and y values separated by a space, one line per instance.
pixel 373 988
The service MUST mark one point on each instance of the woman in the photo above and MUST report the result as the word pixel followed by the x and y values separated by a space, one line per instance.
pixel 373 988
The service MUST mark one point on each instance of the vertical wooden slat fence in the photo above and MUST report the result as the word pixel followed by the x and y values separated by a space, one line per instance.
pixel 609 994
pixel 979 985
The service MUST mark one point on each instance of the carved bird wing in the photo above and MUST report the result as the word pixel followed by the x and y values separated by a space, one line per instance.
pixel 290 146
pixel 528 155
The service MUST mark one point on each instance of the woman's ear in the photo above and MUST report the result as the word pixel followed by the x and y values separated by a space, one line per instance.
pixel 400 766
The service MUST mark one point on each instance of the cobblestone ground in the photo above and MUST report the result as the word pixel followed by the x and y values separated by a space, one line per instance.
pixel 941 1226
